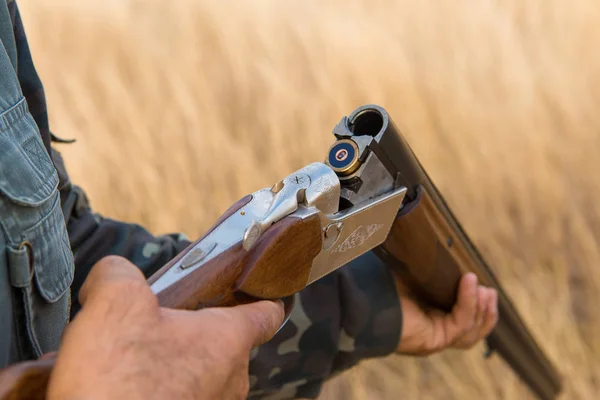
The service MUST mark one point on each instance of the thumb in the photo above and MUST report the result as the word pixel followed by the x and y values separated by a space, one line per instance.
pixel 116 272
pixel 260 320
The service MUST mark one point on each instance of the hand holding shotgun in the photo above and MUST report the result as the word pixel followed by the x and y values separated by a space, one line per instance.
pixel 123 345
pixel 371 194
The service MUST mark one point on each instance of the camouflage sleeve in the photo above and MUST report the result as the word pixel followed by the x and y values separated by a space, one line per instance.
pixel 93 236
pixel 347 316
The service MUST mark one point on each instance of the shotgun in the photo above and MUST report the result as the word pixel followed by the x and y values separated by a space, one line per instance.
pixel 370 194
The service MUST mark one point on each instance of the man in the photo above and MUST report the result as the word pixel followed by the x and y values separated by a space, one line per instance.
pixel 122 344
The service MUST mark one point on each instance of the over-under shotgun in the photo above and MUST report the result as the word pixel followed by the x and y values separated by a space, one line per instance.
pixel 371 193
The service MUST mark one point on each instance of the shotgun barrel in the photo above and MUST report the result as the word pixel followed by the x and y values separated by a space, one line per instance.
pixel 427 245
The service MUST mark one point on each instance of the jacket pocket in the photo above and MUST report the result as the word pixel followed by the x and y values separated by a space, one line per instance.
pixel 28 176
pixel 41 271
pixel 39 257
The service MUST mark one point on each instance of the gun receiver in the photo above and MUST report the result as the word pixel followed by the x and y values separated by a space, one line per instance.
pixel 370 194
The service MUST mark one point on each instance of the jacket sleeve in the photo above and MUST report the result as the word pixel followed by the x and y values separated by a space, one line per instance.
pixel 347 316
pixel 350 315
pixel 93 236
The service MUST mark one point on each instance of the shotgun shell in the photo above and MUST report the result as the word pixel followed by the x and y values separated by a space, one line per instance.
pixel 343 157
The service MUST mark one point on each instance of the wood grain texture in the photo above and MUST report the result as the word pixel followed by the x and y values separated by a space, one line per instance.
pixel 26 381
pixel 427 253
pixel 277 266
pixel 228 213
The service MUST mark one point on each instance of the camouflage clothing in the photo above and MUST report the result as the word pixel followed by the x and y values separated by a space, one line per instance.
pixel 347 316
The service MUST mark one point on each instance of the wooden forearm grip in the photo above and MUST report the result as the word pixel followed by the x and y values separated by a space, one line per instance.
pixel 277 266
pixel 427 253
pixel 431 252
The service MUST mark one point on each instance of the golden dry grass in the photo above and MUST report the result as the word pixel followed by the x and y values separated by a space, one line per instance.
pixel 182 107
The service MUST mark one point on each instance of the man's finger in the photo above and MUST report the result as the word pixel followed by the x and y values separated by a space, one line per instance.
pixel 491 318
pixel 463 312
pixel 472 335
pixel 49 355
pixel 260 321
pixel 483 296
pixel 111 270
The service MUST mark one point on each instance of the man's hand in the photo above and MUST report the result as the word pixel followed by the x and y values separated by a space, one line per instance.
pixel 428 331
pixel 122 345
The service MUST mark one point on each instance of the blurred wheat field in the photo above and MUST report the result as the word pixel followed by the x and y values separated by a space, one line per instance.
pixel 180 108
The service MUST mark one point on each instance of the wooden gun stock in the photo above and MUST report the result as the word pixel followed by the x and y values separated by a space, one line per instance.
pixel 276 267
pixel 27 380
